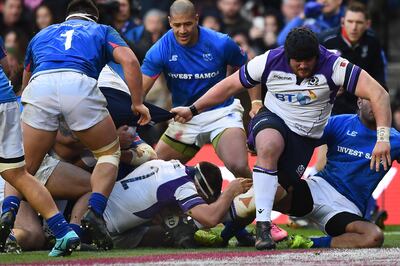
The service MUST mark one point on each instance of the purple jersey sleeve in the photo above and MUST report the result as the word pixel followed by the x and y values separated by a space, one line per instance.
pixel 187 197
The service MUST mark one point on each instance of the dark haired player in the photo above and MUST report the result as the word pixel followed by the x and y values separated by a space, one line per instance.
pixel 302 79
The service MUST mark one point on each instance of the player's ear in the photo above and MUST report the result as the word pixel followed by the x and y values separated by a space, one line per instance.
pixel 359 103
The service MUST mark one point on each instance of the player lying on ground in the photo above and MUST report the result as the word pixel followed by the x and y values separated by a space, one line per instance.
pixel 336 198
pixel 144 193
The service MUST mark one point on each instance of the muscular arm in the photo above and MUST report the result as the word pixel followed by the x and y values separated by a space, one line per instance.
pixel 26 76
pixel 148 83
pixel 220 92
pixel 212 214
pixel 255 98
pixel 368 88
pixel 133 76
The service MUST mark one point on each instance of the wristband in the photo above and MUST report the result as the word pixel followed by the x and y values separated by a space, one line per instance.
pixel 383 134
pixel 194 110
pixel 256 101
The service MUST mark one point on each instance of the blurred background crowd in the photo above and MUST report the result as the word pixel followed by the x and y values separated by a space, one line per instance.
pixel 256 25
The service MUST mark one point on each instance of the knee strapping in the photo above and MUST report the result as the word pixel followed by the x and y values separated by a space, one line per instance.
pixel 109 153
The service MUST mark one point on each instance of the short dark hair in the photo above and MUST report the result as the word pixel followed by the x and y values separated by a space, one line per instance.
pixel 356 6
pixel 83 6
pixel 301 43
pixel 213 179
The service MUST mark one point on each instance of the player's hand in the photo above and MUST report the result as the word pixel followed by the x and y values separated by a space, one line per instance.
pixel 144 113
pixel 380 153
pixel 182 114
pixel 255 107
pixel 125 137
pixel 240 185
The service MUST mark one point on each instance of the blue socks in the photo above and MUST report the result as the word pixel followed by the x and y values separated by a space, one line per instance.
pixel 98 203
pixel 321 242
pixel 11 203
pixel 77 228
pixel 58 225
pixel 231 230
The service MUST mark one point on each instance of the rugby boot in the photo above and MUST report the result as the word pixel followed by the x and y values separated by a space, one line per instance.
pixel 95 226
pixel 277 233
pixel 263 236
pixel 299 241
pixel 181 229
pixel 65 245
pixel 11 245
pixel 7 220
pixel 245 239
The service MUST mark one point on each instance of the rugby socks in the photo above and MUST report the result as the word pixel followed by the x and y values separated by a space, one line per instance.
pixel 77 228
pixel 98 203
pixel 11 203
pixel 231 229
pixel 321 242
pixel 265 185
pixel 58 225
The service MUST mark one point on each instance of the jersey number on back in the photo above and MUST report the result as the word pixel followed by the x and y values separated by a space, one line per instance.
pixel 68 38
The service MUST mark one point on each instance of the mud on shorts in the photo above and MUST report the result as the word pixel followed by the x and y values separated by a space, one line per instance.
pixel 204 128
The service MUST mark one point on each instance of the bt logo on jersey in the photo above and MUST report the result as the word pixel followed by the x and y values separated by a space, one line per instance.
pixel 301 98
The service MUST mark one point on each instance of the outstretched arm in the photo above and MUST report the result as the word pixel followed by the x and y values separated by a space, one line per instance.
pixel 133 77
pixel 217 94
pixel 211 215
pixel 368 88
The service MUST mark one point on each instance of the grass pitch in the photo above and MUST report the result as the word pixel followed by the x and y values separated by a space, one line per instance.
pixel 203 256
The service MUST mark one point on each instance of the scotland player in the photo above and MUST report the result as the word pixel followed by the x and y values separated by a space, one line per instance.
pixel 336 198
pixel 140 196
pixel 62 64
pixel 12 169
pixel 302 79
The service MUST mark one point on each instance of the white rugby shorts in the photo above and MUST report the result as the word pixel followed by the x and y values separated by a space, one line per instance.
pixel 203 128
pixel 11 147
pixel 72 95
pixel 327 202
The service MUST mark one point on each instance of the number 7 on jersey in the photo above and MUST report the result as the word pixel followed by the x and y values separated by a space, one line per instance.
pixel 68 38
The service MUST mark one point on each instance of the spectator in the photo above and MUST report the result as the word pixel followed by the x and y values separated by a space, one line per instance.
pixel 233 22
pixel 291 9
pixel 12 18
pixel 211 20
pixel 43 17
pixel 358 44
pixel 318 16
pixel 266 39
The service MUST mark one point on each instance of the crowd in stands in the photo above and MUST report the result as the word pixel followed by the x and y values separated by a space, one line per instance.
pixel 255 25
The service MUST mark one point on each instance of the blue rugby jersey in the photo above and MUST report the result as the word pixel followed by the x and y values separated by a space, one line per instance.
pixel 6 90
pixel 191 71
pixel 350 146
pixel 75 44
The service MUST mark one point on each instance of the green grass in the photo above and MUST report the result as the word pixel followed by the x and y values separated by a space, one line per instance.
pixel 392 239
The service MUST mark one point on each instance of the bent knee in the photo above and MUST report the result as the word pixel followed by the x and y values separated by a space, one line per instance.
pixel 238 168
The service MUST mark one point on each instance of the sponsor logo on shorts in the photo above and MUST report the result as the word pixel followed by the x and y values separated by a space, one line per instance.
pixel 300 170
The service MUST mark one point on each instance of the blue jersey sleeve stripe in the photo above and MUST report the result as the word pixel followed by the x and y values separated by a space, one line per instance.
pixel 246 81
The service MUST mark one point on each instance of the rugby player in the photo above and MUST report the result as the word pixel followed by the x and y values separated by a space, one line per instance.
pixel 144 193
pixel 301 79
pixel 12 169
pixel 62 65
pixel 193 59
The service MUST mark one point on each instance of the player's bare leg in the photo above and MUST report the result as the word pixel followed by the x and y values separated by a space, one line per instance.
pixel 40 199
pixel 359 234
pixel 232 150
pixel 181 152
pixel 102 140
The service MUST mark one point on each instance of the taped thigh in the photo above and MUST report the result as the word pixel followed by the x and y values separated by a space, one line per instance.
pixel 110 153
